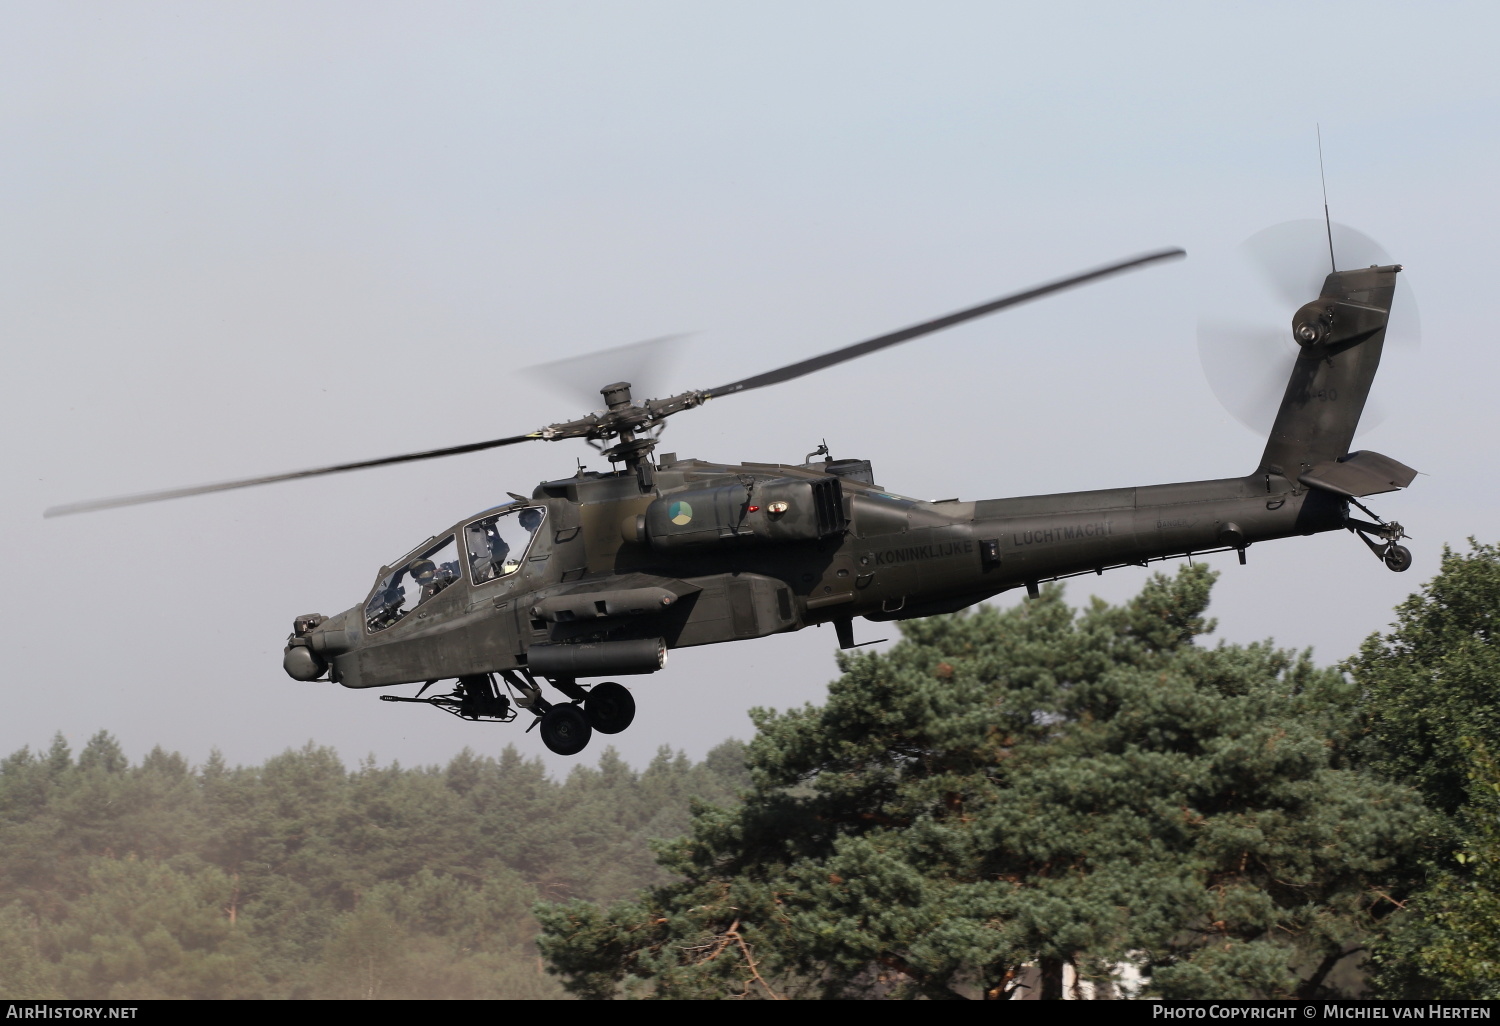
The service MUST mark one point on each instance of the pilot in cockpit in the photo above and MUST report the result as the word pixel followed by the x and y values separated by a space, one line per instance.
pixel 498 545
pixel 487 551
pixel 500 559
pixel 530 519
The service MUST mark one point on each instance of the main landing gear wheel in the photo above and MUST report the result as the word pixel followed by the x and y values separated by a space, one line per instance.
pixel 610 707
pixel 565 729
pixel 1398 558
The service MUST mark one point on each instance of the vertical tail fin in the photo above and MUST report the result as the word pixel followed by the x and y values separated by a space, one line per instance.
pixel 1341 334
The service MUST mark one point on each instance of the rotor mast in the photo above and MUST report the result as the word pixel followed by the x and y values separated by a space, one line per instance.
pixel 634 452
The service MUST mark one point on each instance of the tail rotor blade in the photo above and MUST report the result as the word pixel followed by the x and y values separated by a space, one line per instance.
pixel 1247 366
pixel 1289 260
pixel 1244 331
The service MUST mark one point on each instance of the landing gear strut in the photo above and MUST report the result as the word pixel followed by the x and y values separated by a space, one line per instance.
pixel 566 727
pixel 1381 538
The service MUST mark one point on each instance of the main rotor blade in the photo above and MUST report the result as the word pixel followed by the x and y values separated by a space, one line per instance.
pixel 817 363
pixel 224 486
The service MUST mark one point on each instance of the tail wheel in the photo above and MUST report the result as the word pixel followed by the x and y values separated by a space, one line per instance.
pixel 610 707
pixel 565 729
pixel 1398 558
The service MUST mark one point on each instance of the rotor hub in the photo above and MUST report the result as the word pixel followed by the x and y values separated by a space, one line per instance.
pixel 616 396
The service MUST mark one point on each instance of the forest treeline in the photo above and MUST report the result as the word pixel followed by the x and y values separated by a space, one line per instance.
pixel 301 878
pixel 1006 803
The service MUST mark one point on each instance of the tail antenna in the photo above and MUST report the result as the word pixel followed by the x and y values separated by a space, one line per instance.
pixel 1327 221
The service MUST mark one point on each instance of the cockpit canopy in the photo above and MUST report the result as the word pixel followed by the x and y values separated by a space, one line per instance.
pixel 497 544
pixel 495 547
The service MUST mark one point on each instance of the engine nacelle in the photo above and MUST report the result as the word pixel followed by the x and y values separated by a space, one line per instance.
pixel 786 510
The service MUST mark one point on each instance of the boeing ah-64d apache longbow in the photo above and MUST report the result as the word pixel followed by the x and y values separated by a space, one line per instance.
pixel 601 574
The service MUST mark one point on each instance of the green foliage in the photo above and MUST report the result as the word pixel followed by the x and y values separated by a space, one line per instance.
pixel 1432 680
pixel 302 878
pixel 1448 944
pixel 1020 788
pixel 1435 713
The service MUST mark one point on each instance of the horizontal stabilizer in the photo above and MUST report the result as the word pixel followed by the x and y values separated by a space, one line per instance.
pixel 1359 474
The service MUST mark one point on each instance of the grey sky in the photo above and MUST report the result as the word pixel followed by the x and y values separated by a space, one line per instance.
pixel 246 238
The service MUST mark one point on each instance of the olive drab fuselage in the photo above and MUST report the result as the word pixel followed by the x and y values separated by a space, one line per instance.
pixel 601 574
pixel 603 568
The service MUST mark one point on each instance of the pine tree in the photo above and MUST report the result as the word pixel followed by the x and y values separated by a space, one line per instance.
pixel 300 878
pixel 1433 687
pixel 1432 679
pixel 1028 788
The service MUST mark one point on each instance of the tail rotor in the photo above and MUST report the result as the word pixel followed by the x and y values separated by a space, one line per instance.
pixel 1244 330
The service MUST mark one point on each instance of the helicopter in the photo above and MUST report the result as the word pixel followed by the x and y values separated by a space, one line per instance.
pixel 602 574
